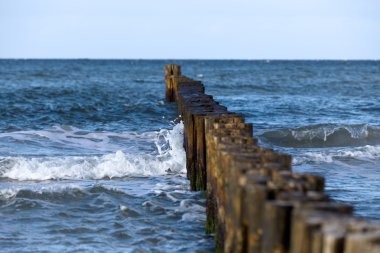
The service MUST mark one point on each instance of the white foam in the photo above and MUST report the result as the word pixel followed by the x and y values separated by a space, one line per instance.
pixel 170 155
pixel 192 217
pixel 86 142
pixel 367 153
pixel 8 193
pixel 308 157
pixel 323 131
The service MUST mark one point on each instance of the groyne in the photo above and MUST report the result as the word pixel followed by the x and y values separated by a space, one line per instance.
pixel 255 203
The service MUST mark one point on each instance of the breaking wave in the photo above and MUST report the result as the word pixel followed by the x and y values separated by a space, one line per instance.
pixel 367 153
pixel 324 135
pixel 169 157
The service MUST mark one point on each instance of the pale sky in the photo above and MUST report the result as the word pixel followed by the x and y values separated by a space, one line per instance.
pixel 194 29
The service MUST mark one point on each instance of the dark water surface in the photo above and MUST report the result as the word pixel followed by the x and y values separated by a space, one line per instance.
pixel 91 156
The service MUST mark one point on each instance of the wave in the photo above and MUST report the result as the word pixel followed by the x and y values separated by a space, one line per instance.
pixel 69 140
pixel 51 191
pixel 169 157
pixel 57 190
pixel 324 135
pixel 367 153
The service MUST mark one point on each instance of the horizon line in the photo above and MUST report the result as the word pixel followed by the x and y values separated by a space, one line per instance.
pixel 197 59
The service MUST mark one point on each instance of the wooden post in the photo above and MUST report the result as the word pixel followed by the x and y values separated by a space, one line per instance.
pixel 368 242
pixel 171 70
pixel 254 202
pixel 256 196
pixel 308 218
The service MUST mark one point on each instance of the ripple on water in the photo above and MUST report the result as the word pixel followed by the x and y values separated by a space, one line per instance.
pixel 90 213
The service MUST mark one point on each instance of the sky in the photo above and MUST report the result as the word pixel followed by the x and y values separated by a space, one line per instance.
pixel 196 29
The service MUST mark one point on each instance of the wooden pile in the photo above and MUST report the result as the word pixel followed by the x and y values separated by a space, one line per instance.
pixel 255 203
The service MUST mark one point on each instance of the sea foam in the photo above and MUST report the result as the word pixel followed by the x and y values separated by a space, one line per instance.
pixel 170 156
pixel 367 153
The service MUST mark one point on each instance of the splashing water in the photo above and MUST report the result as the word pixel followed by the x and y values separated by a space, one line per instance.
pixel 170 157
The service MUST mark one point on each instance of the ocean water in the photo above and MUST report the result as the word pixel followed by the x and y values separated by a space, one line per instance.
pixel 92 160
pixel 91 155
pixel 325 113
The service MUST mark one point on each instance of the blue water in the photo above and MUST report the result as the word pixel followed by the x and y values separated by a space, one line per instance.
pixel 91 159
pixel 91 155
pixel 325 113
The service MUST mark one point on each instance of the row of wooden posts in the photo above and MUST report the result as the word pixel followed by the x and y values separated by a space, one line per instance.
pixel 255 203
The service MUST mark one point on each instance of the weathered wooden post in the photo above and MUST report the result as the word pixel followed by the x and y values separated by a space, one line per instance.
pixel 171 70
pixel 308 218
pixel 368 242
pixel 276 226
pixel 254 202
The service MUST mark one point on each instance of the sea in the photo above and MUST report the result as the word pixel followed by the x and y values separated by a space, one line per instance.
pixel 92 159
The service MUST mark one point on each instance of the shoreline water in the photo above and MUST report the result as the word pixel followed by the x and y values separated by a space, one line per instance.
pixel 63 93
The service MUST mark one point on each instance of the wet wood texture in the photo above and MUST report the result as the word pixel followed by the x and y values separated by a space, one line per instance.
pixel 254 202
